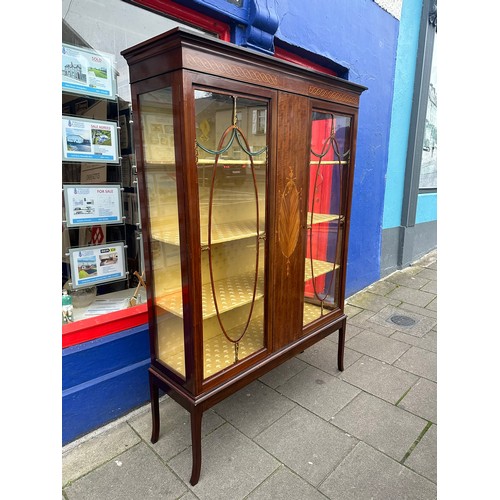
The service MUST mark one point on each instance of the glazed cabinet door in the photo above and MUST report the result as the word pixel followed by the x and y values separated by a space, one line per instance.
pixel 160 206
pixel 232 147
pixel 329 177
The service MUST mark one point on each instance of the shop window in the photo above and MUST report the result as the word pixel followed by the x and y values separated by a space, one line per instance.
pixel 103 284
pixel 428 168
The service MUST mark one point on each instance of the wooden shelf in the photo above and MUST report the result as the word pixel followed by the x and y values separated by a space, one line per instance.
pixel 218 352
pixel 319 218
pixel 222 161
pixel 230 231
pixel 320 267
pixel 230 292
pixel 234 292
pixel 221 233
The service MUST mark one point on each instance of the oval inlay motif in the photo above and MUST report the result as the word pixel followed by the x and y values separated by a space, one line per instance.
pixel 289 219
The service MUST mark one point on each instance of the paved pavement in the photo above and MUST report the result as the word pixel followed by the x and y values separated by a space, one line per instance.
pixel 304 431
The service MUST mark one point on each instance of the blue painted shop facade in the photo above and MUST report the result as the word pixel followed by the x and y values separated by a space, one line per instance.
pixel 104 366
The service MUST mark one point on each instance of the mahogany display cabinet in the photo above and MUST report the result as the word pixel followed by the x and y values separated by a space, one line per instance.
pixel 245 165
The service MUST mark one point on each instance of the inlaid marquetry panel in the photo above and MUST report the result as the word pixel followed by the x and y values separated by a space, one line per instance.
pixel 225 68
pixel 289 219
pixel 333 95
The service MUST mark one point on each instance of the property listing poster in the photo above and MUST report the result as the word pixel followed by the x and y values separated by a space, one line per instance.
pixel 89 140
pixel 87 205
pixel 96 265
pixel 87 72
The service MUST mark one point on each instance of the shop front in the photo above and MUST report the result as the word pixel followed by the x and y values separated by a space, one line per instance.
pixel 105 337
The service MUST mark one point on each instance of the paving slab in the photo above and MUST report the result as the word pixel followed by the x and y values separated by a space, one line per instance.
pixel 385 330
pixel 350 332
pixel 319 392
pixel 232 465
pixel 351 310
pixel 415 297
pixel 428 341
pixel 283 372
pixel 430 274
pixel 420 362
pixel 378 346
pixel 382 425
pixel 412 270
pixel 381 287
pixel 323 355
pixel 430 287
pixel 423 311
pixel 374 302
pixel 285 485
pixel 429 260
pixel 188 496
pixel 379 378
pixel 415 281
pixel 422 324
pixel 360 318
pixel 253 408
pixel 136 473
pixel 175 428
pixel 423 458
pixel 363 321
pixel 306 444
pixel 94 452
pixel 367 474
pixel 421 400
pixel 433 305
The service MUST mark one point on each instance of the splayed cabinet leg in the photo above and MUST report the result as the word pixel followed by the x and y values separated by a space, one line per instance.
pixel 196 415
pixel 340 354
pixel 155 410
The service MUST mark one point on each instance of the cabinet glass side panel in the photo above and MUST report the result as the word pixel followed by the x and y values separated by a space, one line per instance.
pixel 231 139
pixel 329 161
pixel 161 195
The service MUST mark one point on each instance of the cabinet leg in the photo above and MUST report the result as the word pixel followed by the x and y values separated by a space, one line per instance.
pixel 155 410
pixel 340 354
pixel 196 415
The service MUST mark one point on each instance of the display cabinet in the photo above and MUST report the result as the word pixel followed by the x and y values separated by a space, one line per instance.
pixel 245 167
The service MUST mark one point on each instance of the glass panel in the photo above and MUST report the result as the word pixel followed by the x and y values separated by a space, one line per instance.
pixel 91 30
pixel 161 194
pixel 428 169
pixel 231 135
pixel 330 149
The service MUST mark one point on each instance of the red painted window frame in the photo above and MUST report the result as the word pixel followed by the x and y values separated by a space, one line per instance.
pixel 107 324
pixel 301 61
pixel 187 16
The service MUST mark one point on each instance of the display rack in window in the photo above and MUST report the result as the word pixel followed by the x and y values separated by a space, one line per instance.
pixel 101 255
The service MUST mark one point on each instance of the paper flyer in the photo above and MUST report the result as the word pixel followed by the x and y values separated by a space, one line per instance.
pixel 96 265
pixel 87 72
pixel 89 140
pixel 87 205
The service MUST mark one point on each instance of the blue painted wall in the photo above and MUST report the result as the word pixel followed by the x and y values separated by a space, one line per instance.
pixel 361 36
pixel 426 207
pixel 103 380
pixel 401 111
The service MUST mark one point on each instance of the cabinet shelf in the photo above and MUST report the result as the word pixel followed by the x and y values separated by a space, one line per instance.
pixel 218 352
pixel 320 267
pixel 221 233
pixel 231 293
pixel 320 218
pixel 229 231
